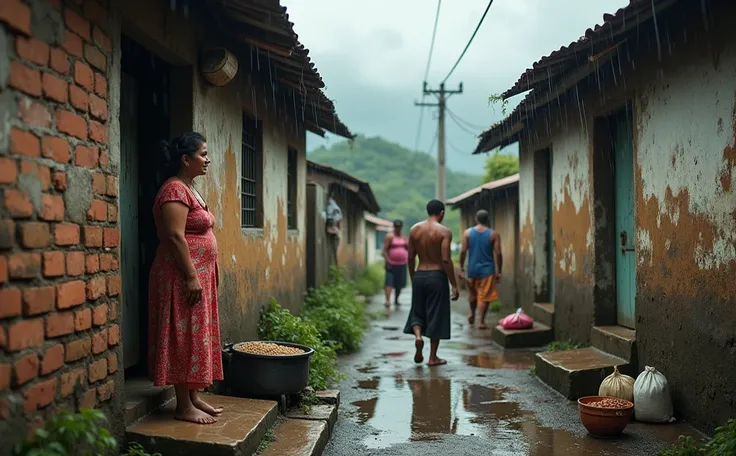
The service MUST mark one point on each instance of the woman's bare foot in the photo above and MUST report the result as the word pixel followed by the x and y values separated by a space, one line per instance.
pixel 436 362
pixel 194 415
pixel 482 326
pixel 419 345
pixel 205 407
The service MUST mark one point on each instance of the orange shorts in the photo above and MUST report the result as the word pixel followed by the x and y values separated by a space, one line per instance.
pixel 482 290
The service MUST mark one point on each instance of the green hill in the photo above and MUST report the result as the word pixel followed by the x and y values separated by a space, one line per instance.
pixel 402 180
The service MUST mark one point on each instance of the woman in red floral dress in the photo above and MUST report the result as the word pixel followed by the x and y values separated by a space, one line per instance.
pixel 184 329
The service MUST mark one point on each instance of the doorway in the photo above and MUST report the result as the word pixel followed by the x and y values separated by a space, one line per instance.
pixel 623 163
pixel 544 229
pixel 145 120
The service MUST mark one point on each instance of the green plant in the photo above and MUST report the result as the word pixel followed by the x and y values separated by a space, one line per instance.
pixel 67 434
pixel 533 371
pixel 683 447
pixel 336 313
pixel 496 98
pixel 135 449
pixel 564 345
pixel 370 281
pixel 307 401
pixel 723 443
pixel 267 440
pixel 277 323
pixel 496 306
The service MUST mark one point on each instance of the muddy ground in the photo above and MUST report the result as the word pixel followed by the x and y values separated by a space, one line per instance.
pixel 484 401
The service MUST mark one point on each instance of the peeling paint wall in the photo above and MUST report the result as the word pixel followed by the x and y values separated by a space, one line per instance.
pixel 525 279
pixel 686 221
pixel 684 109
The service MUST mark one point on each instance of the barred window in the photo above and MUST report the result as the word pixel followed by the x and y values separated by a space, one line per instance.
pixel 251 204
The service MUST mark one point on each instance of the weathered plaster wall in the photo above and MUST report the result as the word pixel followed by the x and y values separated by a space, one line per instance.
pixel 525 278
pixel 257 263
pixel 686 226
pixel 373 255
pixel 504 208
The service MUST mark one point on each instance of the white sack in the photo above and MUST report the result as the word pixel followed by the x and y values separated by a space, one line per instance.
pixel 652 399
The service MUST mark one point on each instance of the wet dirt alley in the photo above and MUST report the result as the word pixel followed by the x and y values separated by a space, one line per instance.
pixel 484 401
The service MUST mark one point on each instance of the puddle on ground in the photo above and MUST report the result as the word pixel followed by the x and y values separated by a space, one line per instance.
pixel 371 384
pixel 390 328
pixel 367 369
pixel 426 410
pixel 393 338
pixel 459 345
pixel 501 360
pixel 393 355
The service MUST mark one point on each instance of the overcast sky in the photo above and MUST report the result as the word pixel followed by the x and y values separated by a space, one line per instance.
pixel 372 57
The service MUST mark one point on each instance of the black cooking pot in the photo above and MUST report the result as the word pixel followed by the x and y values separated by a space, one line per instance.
pixel 250 375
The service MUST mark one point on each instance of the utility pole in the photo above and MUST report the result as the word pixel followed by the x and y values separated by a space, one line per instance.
pixel 442 95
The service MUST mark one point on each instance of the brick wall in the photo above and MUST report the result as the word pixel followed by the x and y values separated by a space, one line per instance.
pixel 59 278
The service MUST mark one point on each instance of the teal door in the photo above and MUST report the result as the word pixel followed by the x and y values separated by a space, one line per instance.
pixel 623 145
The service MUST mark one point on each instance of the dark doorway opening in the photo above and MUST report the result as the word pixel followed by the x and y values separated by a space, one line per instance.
pixel 145 119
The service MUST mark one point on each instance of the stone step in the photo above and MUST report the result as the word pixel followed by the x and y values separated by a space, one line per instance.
pixel 537 336
pixel 292 437
pixel 142 398
pixel 616 340
pixel 326 413
pixel 544 313
pixel 238 431
pixel 578 373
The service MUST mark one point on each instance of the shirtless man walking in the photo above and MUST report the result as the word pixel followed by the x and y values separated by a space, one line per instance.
pixel 430 301
pixel 483 247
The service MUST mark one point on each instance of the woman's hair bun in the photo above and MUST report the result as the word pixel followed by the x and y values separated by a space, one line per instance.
pixel 165 147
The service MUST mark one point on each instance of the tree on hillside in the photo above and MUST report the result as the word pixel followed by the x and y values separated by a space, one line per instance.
pixel 402 180
pixel 499 166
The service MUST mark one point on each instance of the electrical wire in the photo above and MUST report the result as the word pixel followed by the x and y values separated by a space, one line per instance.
pixel 467 123
pixel 490 2
pixel 426 73
pixel 459 124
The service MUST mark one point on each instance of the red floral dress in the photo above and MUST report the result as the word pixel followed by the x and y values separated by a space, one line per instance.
pixel 184 340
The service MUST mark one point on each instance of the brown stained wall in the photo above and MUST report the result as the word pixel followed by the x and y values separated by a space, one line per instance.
pixel 685 124
pixel 686 220
pixel 60 307
pixel 525 275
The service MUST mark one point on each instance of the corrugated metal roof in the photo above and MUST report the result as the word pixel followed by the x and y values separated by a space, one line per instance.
pixel 265 25
pixel 551 76
pixel 365 192
pixel 489 186
pixel 379 221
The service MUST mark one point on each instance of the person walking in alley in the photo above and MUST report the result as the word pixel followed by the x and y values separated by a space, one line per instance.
pixel 184 329
pixel 430 301
pixel 396 256
pixel 482 245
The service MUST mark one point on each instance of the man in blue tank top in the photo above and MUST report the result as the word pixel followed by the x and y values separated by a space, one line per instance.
pixel 482 245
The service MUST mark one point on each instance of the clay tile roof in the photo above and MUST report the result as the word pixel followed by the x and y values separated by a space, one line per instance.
pixel 552 75
pixel 265 25
pixel 489 186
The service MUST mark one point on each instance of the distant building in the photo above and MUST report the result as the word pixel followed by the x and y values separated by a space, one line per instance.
pixel 628 156
pixel 376 230
pixel 501 199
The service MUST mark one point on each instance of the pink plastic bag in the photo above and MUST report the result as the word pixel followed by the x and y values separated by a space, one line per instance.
pixel 517 320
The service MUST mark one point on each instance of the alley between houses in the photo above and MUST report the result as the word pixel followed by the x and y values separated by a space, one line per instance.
pixel 484 401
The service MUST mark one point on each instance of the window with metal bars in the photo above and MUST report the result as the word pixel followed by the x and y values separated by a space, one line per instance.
pixel 291 182
pixel 251 204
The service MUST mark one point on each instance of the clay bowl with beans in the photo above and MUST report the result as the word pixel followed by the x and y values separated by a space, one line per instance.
pixel 605 416
pixel 265 368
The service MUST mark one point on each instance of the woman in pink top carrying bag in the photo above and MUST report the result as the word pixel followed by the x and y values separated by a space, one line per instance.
pixel 396 255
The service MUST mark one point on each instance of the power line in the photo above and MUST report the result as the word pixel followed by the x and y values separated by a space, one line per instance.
pixel 462 127
pixel 434 35
pixel 426 72
pixel 490 2
pixel 467 123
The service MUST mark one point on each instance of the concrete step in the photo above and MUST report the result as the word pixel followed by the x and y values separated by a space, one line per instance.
pixel 537 336
pixel 142 398
pixel 238 431
pixel 578 373
pixel 298 438
pixel 544 313
pixel 616 340
pixel 326 413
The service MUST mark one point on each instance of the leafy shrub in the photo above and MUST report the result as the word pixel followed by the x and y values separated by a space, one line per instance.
pixel 370 281
pixel 723 443
pixel 277 323
pixel 336 313
pixel 67 434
